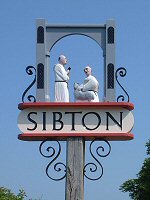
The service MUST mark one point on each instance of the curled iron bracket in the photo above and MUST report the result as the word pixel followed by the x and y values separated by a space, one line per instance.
pixel 54 154
pixel 96 169
pixel 30 70
pixel 121 72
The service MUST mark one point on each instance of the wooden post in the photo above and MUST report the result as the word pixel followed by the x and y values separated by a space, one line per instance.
pixel 75 165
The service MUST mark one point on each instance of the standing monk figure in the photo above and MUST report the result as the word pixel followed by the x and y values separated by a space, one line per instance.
pixel 61 80
pixel 88 91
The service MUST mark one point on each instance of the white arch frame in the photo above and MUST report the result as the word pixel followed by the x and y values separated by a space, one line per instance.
pixel 49 35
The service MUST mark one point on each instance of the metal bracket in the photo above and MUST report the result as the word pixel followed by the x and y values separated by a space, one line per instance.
pixel 29 71
pixel 122 72
pixel 54 154
pixel 96 169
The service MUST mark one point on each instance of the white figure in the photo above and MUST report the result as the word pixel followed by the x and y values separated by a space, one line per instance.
pixel 61 80
pixel 88 91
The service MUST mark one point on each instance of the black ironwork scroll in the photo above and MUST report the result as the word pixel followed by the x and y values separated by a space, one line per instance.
pixel 53 153
pixel 30 70
pixel 94 171
pixel 121 72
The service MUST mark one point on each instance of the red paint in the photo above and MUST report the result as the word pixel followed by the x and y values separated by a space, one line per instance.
pixel 127 105
pixel 87 136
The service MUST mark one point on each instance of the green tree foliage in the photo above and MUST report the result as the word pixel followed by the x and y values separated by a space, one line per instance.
pixel 139 188
pixel 6 194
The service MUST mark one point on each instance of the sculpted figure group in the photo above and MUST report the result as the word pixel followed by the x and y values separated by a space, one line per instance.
pixel 88 91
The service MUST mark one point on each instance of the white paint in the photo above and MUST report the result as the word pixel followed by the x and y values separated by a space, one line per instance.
pixel 91 121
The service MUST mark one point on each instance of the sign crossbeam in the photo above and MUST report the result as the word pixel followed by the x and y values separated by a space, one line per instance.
pixel 112 121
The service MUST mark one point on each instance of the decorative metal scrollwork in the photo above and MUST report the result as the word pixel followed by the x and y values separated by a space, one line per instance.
pixel 122 72
pixel 52 153
pixel 93 168
pixel 29 71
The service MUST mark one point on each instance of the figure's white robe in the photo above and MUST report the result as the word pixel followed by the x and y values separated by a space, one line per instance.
pixel 61 84
pixel 87 91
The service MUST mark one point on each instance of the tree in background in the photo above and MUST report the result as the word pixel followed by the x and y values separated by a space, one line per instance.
pixel 6 194
pixel 139 188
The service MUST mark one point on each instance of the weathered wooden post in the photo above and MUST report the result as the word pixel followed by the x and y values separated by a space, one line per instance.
pixel 74 122
pixel 74 167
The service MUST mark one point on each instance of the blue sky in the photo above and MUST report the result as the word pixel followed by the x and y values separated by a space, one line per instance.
pixel 21 163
